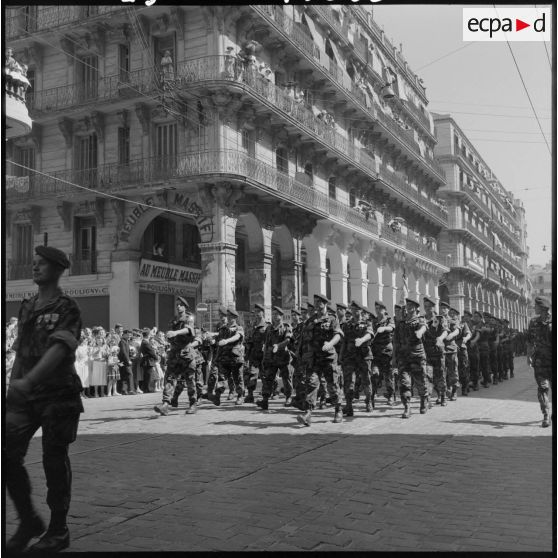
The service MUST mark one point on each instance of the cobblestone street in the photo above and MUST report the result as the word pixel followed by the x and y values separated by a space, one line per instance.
pixel 474 476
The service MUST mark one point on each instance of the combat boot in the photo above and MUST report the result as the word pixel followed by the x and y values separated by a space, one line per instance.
pixel 407 410
pixel 494 380
pixel 230 396
pixel 348 410
pixel 305 418
pixel 338 417
pixel 162 409
pixel 191 410
pixel 263 404
pixel 423 405
pixel 321 403
pixel 27 530
pixel 250 397
pixel 511 373
pixel 369 406
pixel 546 421
pixel 443 401
pixel 453 393
pixel 288 401
pixel 54 540
pixel 174 401
pixel 215 398
pixel 239 400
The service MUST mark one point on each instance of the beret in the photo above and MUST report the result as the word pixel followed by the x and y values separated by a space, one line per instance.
pixel 487 315
pixel 53 255
pixel 259 307
pixel 380 304
pixel 444 305
pixel 455 310
pixel 543 301
pixel 309 305
pixel 467 313
pixel 278 310
pixel 330 311
pixel 427 299
pixel 478 313
pixel 295 311
pixel 412 301
pixel 222 310
pixel 341 305
pixel 183 301
pixel 232 312
pixel 146 330
pixel 398 306
pixel 118 325
pixel 304 306
pixel 321 297
pixel 359 306
pixel 127 331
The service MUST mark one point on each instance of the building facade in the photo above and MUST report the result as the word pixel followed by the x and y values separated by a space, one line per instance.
pixel 486 236
pixel 255 154
pixel 540 278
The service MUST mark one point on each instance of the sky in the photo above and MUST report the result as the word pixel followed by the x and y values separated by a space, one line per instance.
pixel 481 78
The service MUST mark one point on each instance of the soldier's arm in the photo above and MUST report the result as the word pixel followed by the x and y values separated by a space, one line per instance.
pixel 285 342
pixel 466 334
pixel 452 334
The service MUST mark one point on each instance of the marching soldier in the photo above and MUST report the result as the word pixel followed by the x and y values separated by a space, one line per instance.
pixel 462 353
pixel 356 354
pixel 436 332
pixel 382 351
pixel 320 336
pixel 276 358
pixel 254 352
pixel 473 347
pixel 298 372
pixel 493 343
pixel 507 349
pixel 398 313
pixel 343 315
pixel 452 378
pixel 413 358
pixel 540 354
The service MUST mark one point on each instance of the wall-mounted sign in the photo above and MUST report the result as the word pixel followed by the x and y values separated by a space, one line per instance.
pixel 151 271
pixel 70 291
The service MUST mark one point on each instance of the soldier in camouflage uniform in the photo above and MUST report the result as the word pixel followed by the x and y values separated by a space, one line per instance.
pixel 298 372
pixel 507 349
pixel 229 358
pixel 493 342
pixel 343 315
pixel 540 349
pixel 276 358
pixel 433 340
pixel 356 356
pixel 382 351
pixel 44 392
pixel 452 372
pixel 254 352
pixel 398 315
pixel 320 335
pixel 462 352
pixel 473 348
pixel 413 358
pixel 183 361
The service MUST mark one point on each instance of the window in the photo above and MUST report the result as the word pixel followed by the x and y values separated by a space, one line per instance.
pixel 159 240
pixel 191 253
pixel 328 278
pixel 31 88
pixel 124 62
pixel 24 156
pixel 86 159
pixel 308 171
pixel 166 146
pixel 162 44
pixel 87 74
pixel 281 160
pixel 23 244
pixel 304 272
pixel 124 146
pixel 85 243
pixel 332 188
pixel 248 142
pixel 352 198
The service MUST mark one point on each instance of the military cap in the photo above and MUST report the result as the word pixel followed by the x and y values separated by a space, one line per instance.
pixel 478 313
pixel 444 304
pixel 183 301
pixel 309 305
pixel 504 321
pixel 380 304
pixel 232 312
pixel 486 315
pixel 359 306
pixel 543 301
pixel 118 325
pixel 397 306
pixel 304 306
pixel 455 310
pixel 341 305
pixel 412 300
pixel 467 313
pixel 259 307
pixel 146 330
pixel 222 310
pixel 295 311
pixel 127 331
pixel 330 311
pixel 279 310
pixel 427 299
pixel 322 297
pixel 53 255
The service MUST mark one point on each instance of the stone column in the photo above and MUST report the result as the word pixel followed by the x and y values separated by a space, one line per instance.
pixel 339 282
pixel 359 284
pixel 124 288
pixel 317 274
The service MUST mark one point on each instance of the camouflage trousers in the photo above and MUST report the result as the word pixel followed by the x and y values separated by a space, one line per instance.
pixel 330 373
pixel 463 367
pixel 178 379
pixel 485 365
pixel 543 377
pixel 412 372
pixel 494 363
pixel 474 365
pixel 351 371
pixel 436 369
pixel 250 376
pixel 452 377
pixel 381 368
pixel 269 378
pixel 226 373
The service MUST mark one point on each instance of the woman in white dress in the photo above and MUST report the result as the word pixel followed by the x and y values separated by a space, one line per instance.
pixel 98 354
pixel 82 362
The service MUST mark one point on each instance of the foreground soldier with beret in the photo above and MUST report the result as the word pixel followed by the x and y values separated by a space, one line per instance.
pixel 44 392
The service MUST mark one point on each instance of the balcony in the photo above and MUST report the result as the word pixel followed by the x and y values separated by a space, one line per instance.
pixel 122 86
pixel 286 27
pixel 493 276
pixel 514 289
pixel 477 233
pixel 411 244
pixel 83 263
pixel 18 270
pixel 218 68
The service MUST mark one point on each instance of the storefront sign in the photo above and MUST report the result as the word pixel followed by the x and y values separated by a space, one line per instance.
pixel 150 270
pixel 74 292
pixel 164 288
pixel 175 201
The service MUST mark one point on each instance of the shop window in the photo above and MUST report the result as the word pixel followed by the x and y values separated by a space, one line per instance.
pixel 191 253
pixel 84 259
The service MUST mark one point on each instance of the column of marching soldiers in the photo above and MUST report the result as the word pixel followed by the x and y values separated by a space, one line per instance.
pixel 332 354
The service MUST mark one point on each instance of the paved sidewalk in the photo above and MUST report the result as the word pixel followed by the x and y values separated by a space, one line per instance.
pixel 474 476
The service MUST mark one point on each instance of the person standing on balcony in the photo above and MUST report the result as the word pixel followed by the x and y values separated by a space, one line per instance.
pixel 540 349
pixel 44 392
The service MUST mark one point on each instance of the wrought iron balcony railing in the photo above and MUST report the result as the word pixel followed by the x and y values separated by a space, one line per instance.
pixel 479 234
pixel 411 244
pixel 493 276
pixel 18 270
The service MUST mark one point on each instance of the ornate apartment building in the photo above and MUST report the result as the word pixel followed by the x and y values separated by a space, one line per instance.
pixel 231 155
pixel 486 236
